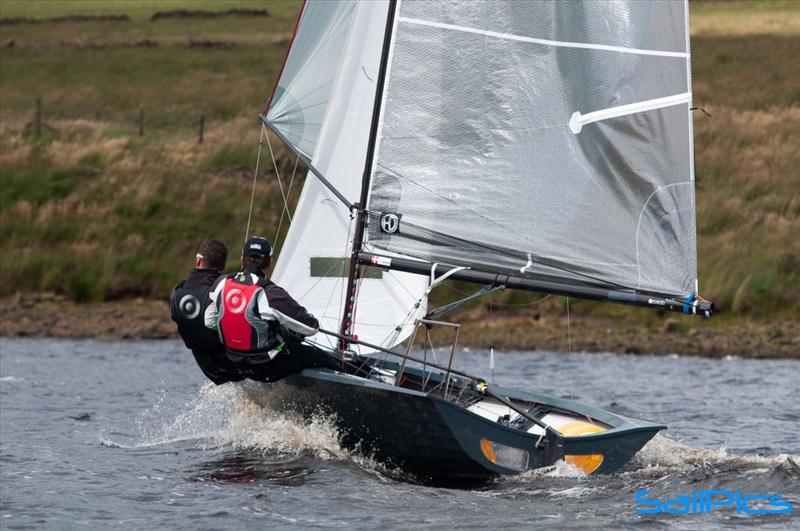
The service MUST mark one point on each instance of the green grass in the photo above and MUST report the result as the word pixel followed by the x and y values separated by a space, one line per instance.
pixel 135 9
pixel 232 156
pixel 745 17
pixel 171 84
pixel 96 211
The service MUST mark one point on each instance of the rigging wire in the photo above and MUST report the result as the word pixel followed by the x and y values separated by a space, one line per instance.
pixel 280 183
pixel 501 304
pixel 569 329
pixel 523 304
pixel 413 311
pixel 255 178
pixel 491 335
pixel 288 193
pixel 286 211
pixel 341 286
pixel 569 346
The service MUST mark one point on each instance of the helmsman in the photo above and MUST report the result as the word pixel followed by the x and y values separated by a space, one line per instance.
pixel 260 325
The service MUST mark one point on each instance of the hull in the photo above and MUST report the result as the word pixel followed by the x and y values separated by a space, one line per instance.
pixel 437 439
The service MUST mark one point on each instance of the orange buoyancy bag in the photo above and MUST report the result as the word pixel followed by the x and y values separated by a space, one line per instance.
pixel 237 332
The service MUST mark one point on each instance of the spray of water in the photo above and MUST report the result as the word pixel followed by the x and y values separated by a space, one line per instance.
pixel 662 455
pixel 231 417
pixel 227 417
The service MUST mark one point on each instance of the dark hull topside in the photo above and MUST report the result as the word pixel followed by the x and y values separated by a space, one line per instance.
pixel 435 439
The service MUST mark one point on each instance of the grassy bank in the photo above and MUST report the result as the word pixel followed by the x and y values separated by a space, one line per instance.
pixel 94 211
pixel 52 315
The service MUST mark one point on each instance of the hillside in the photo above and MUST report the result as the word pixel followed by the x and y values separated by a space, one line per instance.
pixel 94 210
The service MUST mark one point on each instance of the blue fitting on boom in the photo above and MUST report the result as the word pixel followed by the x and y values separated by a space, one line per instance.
pixel 688 304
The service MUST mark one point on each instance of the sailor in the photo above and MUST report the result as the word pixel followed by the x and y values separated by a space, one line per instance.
pixel 259 323
pixel 188 303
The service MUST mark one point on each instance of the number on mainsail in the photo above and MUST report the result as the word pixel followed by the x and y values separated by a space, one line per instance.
pixel 546 145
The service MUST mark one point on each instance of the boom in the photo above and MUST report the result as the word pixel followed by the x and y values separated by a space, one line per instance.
pixel 690 306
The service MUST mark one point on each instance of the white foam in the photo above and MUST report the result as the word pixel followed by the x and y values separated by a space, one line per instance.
pixel 227 416
pixel 661 455
pixel 561 469
pixel 578 491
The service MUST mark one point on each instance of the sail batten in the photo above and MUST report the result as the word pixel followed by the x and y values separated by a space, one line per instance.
pixel 547 42
pixel 578 120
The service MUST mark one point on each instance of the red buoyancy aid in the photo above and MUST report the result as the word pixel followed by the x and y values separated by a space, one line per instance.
pixel 237 333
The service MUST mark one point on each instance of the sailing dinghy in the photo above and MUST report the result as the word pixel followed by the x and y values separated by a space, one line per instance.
pixel 532 145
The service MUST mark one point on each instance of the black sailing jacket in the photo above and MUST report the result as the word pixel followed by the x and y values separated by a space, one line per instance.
pixel 187 304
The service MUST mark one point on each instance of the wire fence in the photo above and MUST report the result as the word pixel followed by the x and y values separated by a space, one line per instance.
pixel 38 125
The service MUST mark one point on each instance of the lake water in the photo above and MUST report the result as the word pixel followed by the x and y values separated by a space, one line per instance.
pixel 97 434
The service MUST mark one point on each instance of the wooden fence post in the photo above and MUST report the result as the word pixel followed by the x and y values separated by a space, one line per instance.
pixel 141 121
pixel 37 119
pixel 200 132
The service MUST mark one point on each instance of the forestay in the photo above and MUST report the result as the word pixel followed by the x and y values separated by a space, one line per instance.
pixel 323 107
pixel 540 138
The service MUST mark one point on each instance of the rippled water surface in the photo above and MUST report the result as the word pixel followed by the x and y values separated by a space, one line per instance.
pixel 101 434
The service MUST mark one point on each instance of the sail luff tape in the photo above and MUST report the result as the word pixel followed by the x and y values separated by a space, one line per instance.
pixel 578 120
pixel 546 42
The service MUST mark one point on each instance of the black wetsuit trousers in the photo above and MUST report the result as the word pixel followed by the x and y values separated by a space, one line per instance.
pixel 295 357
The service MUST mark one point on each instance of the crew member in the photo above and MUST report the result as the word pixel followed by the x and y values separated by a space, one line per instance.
pixel 188 303
pixel 259 323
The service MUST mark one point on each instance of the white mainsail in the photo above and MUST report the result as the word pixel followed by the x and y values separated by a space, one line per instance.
pixel 541 138
pixel 323 107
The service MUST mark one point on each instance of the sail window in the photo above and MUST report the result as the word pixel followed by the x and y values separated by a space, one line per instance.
pixel 337 267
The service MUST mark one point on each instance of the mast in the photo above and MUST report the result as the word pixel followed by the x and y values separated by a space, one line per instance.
pixel 354 276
